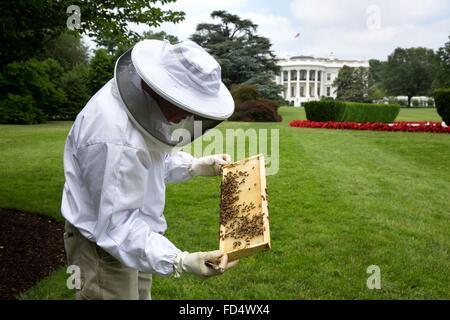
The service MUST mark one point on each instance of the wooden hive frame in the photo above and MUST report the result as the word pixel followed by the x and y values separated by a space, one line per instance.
pixel 252 190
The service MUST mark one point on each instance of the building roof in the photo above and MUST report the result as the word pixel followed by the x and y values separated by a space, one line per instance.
pixel 331 61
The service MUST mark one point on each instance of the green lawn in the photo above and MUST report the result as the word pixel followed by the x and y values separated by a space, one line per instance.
pixel 342 200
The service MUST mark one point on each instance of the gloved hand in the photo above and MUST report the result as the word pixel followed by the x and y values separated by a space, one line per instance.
pixel 209 165
pixel 203 264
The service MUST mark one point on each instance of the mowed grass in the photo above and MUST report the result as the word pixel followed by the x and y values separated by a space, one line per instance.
pixel 342 200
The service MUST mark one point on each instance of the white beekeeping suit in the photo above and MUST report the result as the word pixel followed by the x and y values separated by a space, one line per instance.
pixel 119 155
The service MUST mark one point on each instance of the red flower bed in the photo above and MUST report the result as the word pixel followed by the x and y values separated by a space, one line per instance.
pixel 376 126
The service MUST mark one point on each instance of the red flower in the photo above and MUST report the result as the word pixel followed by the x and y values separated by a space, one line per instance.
pixel 419 126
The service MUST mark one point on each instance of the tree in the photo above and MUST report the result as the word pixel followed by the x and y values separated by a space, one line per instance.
pixel 242 55
pixel 16 109
pixel 410 72
pixel 375 82
pixel 27 24
pixel 443 74
pixel 101 69
pixel 74 83
pixel 352 84
pixel 67 49
pixel 266 87
pixel 160 35
pixel 35 79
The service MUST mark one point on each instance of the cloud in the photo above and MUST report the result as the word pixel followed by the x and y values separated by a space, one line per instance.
pixel 279 29
pixel 352 29
pixel 197 11
pixel 370 28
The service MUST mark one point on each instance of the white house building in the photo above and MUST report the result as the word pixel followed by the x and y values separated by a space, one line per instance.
pixel 307 78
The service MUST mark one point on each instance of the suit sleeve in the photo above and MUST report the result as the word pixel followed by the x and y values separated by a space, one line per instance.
pixel 177 167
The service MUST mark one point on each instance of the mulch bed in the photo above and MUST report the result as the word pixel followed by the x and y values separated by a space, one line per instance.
pixel 31 247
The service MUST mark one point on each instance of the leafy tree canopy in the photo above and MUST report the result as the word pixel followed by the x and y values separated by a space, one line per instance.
pixel 160 35
pixel 443 76
pixel 410 72
pixel 352 84
pixel 233 41
pixel 27 24
pixel 67 48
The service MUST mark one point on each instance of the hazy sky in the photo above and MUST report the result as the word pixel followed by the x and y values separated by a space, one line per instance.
pixel 351 29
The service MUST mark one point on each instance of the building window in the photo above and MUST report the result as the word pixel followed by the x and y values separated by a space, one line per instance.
pixel 311 90
pixel 293 92
pixel 293 75
pixel 302 91
pixel 318 91
pixel 285 76
pixel 302 75
pixel 328 91
pixel 328 76
pixel 312 75
pixel 319 75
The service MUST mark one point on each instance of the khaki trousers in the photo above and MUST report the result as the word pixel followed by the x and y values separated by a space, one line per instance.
pixel 103 277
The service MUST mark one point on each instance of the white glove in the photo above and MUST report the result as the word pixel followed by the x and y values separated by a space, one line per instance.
pixel 203 264
pixel 209 165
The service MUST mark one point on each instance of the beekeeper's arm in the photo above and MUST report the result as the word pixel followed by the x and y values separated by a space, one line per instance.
pixel 116 178
pixel 181 166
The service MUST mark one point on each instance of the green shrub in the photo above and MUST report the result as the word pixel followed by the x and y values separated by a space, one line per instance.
pixel 244 92
pixel 271 104
pixel 415 103
pixel 74 85
pixel 16 109
pixel 37 79
pixel 266 87
pixel 323 111
pixel 442 101
pixel 101 69
pixel 256 111
pixel 430 103
pixel 392 100
pixel 402 103
pixel 370 112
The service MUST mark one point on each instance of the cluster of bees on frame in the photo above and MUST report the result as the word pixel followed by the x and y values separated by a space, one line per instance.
pixel 240 223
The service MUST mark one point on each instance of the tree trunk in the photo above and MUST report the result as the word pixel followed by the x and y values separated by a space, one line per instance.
pixel 409 101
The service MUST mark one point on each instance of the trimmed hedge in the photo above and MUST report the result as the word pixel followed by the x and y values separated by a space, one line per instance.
pixel 442 101
pixel 325 110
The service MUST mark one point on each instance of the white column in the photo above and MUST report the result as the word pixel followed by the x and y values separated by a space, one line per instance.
pixel 288 91
pixel 298 84
pixel 307 83
pixel 322 80
pixel 316 83
pixel 282 83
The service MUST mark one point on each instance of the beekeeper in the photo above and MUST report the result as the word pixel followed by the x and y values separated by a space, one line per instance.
pixel 120 154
